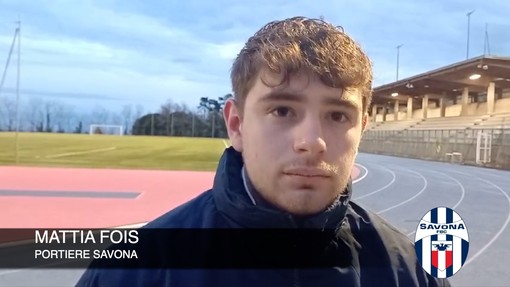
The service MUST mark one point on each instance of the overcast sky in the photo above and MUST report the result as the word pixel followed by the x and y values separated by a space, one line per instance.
pixel 109 53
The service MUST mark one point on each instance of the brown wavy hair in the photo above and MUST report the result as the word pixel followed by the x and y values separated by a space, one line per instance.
pixel 301 44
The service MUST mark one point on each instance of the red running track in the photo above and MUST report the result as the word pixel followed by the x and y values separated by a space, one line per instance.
pixel 159 192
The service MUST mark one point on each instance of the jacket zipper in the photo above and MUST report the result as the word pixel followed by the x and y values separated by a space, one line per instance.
pixel 296 278
pixel 295 273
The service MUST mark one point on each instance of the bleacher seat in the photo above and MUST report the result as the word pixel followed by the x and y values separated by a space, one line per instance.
pixel 495 121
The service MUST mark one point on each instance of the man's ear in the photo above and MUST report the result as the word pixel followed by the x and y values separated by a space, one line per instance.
pixel 364 121
pixel 233 121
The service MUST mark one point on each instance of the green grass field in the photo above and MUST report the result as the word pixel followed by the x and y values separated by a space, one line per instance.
pixel 103 151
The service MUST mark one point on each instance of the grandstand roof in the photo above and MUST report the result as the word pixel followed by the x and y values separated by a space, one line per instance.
pixel 449 81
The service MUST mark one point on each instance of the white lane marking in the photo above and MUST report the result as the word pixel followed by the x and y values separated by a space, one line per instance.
pixel 35 267
pixel 496 236
pixel 380 189
pixel 461 197
pixel 425 184
pixel 81 152
pixel 363 176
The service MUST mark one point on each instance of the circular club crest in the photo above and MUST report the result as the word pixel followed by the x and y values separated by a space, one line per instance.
pixel 441 242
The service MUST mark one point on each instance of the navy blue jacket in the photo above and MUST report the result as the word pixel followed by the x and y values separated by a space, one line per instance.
pixel 376 254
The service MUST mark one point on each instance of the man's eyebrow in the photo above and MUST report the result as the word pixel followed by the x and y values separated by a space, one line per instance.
pixel 295 97
pixel 343 102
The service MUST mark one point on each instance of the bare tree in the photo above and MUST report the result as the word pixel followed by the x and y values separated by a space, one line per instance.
pixel 173 113
pixel 63 116
pixel 82 123
pixel 9 107
pixel 35 113
pixel 48 116
pixel 48 113
pixel 167 108
pixel 3 116
pixel 116 118
pixel 100 115
pixel 58 116
pixel 69 118
pixel 139 111
pixel 127 115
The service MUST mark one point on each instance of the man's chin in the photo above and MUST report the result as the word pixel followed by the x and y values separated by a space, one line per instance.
pixel 300 211
pixel 304 203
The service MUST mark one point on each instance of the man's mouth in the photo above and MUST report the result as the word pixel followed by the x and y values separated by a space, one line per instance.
pixel 307 172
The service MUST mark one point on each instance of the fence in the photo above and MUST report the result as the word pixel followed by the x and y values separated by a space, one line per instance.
pixel 484 147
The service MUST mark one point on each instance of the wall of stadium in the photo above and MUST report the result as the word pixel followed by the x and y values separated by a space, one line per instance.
pixel 441 144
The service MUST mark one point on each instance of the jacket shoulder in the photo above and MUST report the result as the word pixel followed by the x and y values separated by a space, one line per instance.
pixel 199 212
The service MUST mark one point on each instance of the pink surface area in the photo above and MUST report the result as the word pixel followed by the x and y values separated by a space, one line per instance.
pixel 160 191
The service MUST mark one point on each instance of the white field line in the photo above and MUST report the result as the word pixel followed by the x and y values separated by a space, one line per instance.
pixel 364 174
pixel 425 184
pixel 16 243
pixel 394 177
pixel 130 226
pixel 81 152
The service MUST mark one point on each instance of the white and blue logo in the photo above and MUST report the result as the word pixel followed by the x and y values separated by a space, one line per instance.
pixel 442 242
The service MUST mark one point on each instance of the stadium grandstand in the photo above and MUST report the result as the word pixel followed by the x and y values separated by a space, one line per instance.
pixel 457 113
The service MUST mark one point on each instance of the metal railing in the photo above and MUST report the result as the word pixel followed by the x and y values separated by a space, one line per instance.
pixel 486 147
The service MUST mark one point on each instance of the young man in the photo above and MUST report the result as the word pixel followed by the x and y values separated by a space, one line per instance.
pixel 302 88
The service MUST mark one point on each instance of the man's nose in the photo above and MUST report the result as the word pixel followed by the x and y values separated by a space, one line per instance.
pixel 309 136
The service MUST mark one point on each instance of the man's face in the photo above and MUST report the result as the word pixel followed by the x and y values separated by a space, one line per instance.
pixel 298 141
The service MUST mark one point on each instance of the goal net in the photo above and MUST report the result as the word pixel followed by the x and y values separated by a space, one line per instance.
pixel 98 129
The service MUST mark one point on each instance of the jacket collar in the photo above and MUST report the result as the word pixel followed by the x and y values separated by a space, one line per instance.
pixel 235 198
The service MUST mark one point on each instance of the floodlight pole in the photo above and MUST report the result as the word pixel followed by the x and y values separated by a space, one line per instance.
pixel 468 32
pixel 486 47
pixel 17 35
pixel 398 57
pixel 17 88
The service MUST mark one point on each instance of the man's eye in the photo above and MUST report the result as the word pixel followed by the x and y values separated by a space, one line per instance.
pixel 338 116
pixel 281 112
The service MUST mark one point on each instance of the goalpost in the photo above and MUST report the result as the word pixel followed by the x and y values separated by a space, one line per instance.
pixel 99 129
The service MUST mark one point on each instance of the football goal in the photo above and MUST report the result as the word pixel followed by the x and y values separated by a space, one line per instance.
pixel 98 129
